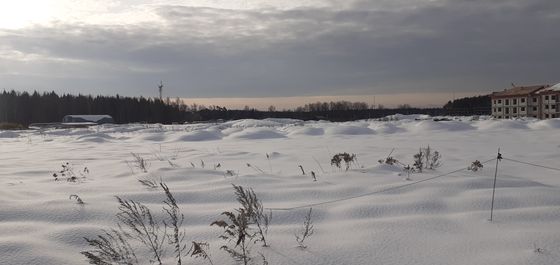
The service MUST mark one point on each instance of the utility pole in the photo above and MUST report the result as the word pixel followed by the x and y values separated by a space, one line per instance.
pixel 160 86
pixel 498 159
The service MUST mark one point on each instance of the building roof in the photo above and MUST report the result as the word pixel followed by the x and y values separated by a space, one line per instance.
pixel 86 118
pixel 550 90
pixel 519 91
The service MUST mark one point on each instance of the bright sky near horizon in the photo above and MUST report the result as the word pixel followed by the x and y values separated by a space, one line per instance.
pixel 278 48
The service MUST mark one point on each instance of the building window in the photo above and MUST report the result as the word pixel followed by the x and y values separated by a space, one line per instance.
pixel 522 108
pixel 507 110
pixel 545 106
pixel 523 100
pixel 553 106
pixel 514 110
pixel 507 117
pixel 494 109
pixel 553 97
pixel 494 102
pixel 545 97
pixel 553 116
pixel 546 116
pixel 499 109
pixel 499 117
pixel 534 108
pixel 514 101
pixel 499 101
pixel 507 101
pixel 535 100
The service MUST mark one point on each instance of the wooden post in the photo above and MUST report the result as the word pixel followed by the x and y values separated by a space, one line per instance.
pixel 498 158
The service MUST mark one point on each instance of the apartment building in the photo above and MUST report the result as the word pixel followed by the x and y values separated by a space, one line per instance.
pixel 541 101
pixel 550 102
pixel 516 102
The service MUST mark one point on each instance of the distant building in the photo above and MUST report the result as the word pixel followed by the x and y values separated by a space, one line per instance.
pixel 550 102
pixel 529 101
pixel 96 119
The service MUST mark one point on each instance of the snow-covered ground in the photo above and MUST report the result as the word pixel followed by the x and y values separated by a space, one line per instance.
pixel 439 221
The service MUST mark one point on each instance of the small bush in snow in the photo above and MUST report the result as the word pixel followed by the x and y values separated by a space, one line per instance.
pixel 257 169
pixel 245 226
pixel 419 161
pixel 172 164
pixel 389 161
pixel 306 231
pixel 432 158
pixel 139 162
pixel 77 198
pixel 229 172
pixel 254 208
pixel 67 172
pixel 408 170
pixel 140 233
pixel 426 158
pixel 236 229
pixel 475 166
pixel 302 171
pixel 313 175
pixel 348 159
pixel 537 249
pixel 149 183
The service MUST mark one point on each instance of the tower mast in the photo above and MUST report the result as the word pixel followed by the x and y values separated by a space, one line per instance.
pixel 160 86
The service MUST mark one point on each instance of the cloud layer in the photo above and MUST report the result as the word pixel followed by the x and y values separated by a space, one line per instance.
pixel 274 49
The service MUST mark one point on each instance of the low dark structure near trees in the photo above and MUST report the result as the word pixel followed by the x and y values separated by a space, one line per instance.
pixel 97 119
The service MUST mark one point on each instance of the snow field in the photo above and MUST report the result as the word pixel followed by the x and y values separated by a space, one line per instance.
pixel 442 221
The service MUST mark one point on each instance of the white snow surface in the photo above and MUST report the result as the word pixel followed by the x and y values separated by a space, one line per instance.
pixel 438 221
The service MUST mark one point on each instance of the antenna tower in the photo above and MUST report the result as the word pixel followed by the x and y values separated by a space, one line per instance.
pixel 160 87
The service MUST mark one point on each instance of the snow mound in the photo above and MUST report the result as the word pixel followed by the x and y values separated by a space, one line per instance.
pixel 256 133
pixel 157 137
pixel 251 123
pixel 401 117
pixel 229 131
pixel 204 135
pixel 127 128
pixel 309 131
pixel 386 128
pixel 390 168
pixel 9 134
pixel 349 130
pixel 68 132
pixel 502 125
pixel 95 138
pixel 546 124
pixel 424 126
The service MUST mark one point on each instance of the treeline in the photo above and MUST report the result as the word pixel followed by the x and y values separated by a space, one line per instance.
pixel 470 105
pixel 25 108
pixel 332 106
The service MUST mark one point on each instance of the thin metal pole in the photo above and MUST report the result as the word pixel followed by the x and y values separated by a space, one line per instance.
pixel 498 158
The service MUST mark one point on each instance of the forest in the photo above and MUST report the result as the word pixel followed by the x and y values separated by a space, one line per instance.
pixel 25 108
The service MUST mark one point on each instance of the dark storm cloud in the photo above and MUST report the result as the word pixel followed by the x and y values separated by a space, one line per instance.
pixel 204 52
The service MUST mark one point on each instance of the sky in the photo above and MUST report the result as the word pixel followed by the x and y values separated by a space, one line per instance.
pixel 418 52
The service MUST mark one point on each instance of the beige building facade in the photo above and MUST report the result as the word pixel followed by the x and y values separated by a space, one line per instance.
pixel 542 102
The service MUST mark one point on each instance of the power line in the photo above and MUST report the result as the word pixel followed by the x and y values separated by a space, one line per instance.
pixel 531 164
pixel 375 192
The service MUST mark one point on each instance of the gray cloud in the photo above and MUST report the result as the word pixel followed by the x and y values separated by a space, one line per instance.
pixel 367 47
